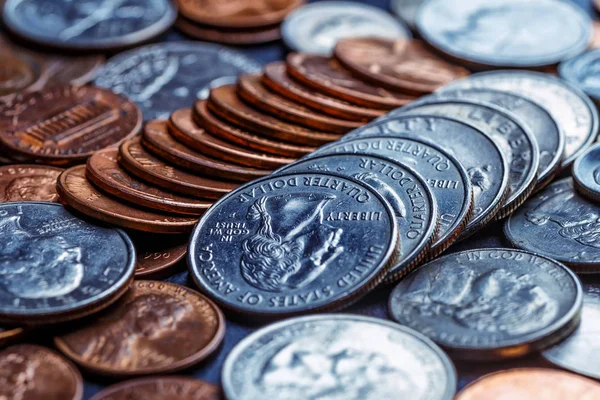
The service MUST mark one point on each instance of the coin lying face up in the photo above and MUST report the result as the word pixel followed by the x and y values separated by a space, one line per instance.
pixel 28 183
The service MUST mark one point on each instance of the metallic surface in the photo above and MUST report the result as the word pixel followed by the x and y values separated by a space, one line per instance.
pixel 157 255
pixel 582 71
pixel 161 388
pixel 22 182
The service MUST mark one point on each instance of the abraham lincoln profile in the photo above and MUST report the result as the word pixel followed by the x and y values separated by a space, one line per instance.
pixel 31 188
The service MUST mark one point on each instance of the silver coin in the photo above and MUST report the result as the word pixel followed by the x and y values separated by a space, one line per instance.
pixel 479 154
pixel 165 77
pixel 414 205
pixel 505 33
pixel 337 357
pixel 575 113
pixel 586 173
pixel 490 303
pixel 561 224
pixel 514 138
pixel 580 352
pixel 407 10
pixel 316 28
pixel 582 71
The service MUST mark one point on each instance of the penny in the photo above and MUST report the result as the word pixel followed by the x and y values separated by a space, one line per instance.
pixel 157 254
pixel 530 383
pixel 75 25
pixel 276 78
pixel 56 266
pixel 444 174
pixel 231 37
pixel 226 131
pixel 66 125
pixel 558 223
pixel 30 372
pixel 77 192
pixel 164 77
pixel 574 112
pixel 328 76
pixel 316 28
pixel 28 183
pixel 8 335
pixel 402 65
pixel 161 388
pixel 479 154
pixel 18 71
pixel 407 10
pixel 225 103
pixel 586 173
pixel 506 33
pixel 183 128
pixel 104 171
pixel 337 356
pixel 139 162
pixel 490 304
pixel 253 91
pixel 77 71
pixel 582 71
pixel 412 201
pixel 293 243
pixel 157 327
pixel 514 138
pixel 157 140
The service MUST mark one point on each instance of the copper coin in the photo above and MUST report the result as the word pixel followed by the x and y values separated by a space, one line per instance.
pixel 595 40
pixel 104 171
pixel 141 163
pixel 157 254
pixel 157 327
pixel 230 37
pixel 161 388
pixel 76 191
pixel 8 335
pixel 404 65
pixel 252 90
pixel 18 71
pixel 67 124
pixel 237 13
pixel 530 384
pixel 277 79
pixel 156 139
pixel 30 372
pixel 64 70
pixel 328 76
pixel 230 133
pixel 184 129
pixel 225 103
pixel 28 183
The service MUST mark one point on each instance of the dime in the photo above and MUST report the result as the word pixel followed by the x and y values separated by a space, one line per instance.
pixel 407 10
pixel 316 28
pixel 66 125
pixel 337 356
pixel 157 139
pixel 514 138
pixel 574 112
pixel 528 383
pixel 402 65
pixel 157 327
pixel 183 128
pixel 225 103
pixel 56 267
pixel 412 201
pixel 228 36
pixel 582 72
pixel 104 171
pixel 28 183
pixel 18 71
pixel 34 372
pixel 293 243
pixel 328 76
pixel 445 176
pixel 157 254
pixel 161 388
pixel 139 162
pixel 586 173
pixel 505 33
pixel 76 191
pixel 168 76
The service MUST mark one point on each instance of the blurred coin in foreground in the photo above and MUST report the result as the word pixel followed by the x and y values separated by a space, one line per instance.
pixel 582 71
pixel 161 388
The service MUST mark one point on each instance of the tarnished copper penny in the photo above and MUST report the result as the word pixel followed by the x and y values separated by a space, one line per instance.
pixel 404 65
pixel 18 71
pixel 531 384
pixel 276 78
pixel 252 90
pixel 76 191
pixel 157 254
pixel 30 372
pixel 183 128
pixel 232 37
pixel 328 76
pixel 141 163
pixel 28 183
pixel 161 388
pixel 225 103
pixel 104 171
pixel 66 125
pixel 157 327
pixel 231 133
